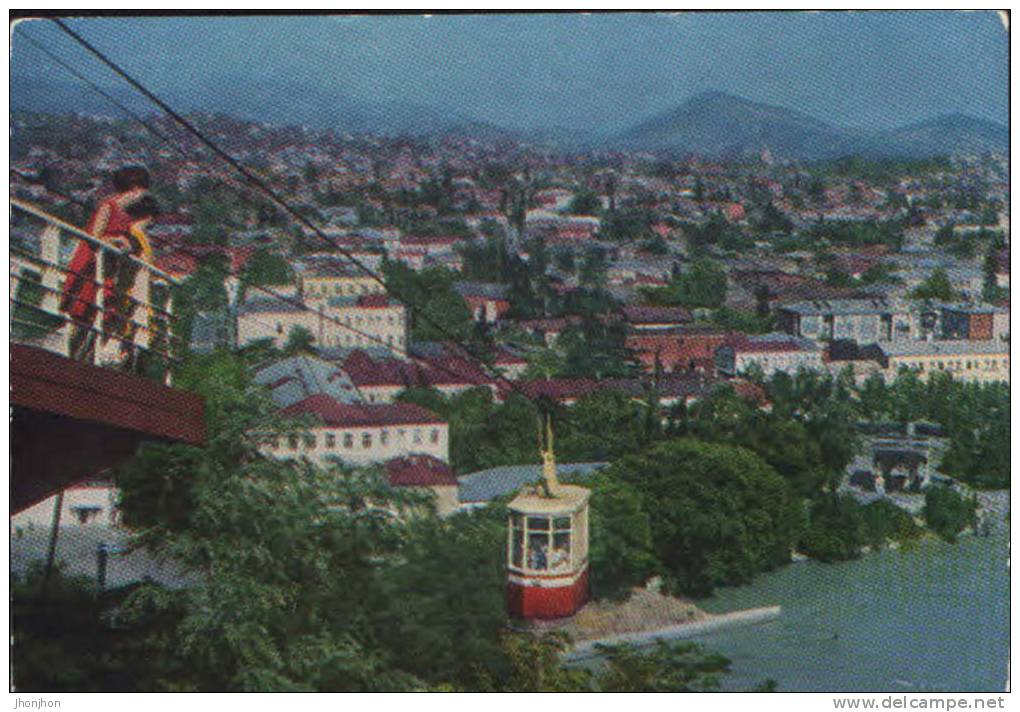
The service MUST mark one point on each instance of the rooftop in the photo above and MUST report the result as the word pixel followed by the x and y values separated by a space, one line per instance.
pixel 419 471
pixel 840 306
pixel 947 348
pixel 486 485
pixel 343 415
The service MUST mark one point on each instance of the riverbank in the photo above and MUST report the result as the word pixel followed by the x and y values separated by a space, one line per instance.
pixel 587 649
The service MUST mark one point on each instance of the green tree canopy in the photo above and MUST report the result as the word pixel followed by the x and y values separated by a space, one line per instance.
pixel 719 514
pixel 585 202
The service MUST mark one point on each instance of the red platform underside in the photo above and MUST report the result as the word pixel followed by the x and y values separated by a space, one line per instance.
pixel 533 602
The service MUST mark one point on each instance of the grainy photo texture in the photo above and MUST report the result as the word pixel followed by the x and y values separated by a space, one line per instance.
pixel 612 352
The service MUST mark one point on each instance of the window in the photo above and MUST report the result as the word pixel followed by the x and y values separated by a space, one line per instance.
pixel 310 442
pixel 417 436
pixel 292 442
pixel 434 436
pixel 348 441
pixel 540 543
pixel 331 441
pixel 366 440
pixel 384 437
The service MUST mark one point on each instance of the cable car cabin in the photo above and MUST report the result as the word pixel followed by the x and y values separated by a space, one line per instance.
pixel 548 553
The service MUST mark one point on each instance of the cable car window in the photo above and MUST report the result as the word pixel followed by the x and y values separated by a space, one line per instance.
pixel 538 551
pixel 559 558
pixel 518 547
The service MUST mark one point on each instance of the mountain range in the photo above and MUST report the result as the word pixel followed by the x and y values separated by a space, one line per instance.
pixel 710 124
pixel 718 124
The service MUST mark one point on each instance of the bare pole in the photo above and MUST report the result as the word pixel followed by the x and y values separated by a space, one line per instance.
pixel 51 553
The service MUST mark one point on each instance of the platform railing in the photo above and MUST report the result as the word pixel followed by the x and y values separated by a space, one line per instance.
pixel 133 333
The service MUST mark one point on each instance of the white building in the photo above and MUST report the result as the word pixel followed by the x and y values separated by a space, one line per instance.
pixel 90 503
pixel 410 441
pixel 772 353
pixel 371 320
pixel 974 361
pixel 363 434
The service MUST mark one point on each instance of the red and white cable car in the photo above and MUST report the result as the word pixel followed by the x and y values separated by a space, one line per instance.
pixel 547 555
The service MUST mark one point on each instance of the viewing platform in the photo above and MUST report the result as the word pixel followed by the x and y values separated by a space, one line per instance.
pixel 85 392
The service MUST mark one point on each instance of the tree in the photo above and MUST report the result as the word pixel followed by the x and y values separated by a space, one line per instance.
pixel 271 550
pixel 203 291
pixel 299 340
pixel 448 587
pixel 621 548
pixel 585 202
pixel 483 434
pixel 440 314
pixel 668 667
pixel 704 285
pixel 719 514
pixel 604 426
pixel 266 268
pixel 937 287
pixel 836 529
pixel 947 512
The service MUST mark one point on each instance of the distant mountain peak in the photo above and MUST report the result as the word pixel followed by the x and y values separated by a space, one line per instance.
pixel 715 123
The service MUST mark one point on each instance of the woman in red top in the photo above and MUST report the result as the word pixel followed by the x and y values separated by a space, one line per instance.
pixel 111 224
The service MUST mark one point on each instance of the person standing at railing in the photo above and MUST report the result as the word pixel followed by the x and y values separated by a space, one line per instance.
pixel 122 320
pixel 110 223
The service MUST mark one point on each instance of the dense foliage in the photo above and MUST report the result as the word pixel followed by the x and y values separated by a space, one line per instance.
pixel 947 512
pixel 719 514
pixel 440 314
pixel 300 578
pixel 975 417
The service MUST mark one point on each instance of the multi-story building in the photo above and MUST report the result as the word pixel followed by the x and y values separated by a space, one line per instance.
pixel 864 321
pixel 326 277
pixel 370 320
pixel 689 348
pixel 487 302
pixel 975 322
pixel 976 361
pixel 410 442
pixel 772 353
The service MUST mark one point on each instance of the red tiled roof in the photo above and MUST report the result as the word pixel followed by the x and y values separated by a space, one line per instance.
pixel 749 391
pixel 374 300
pixel 744 344
pixel 419 471
pixel 425 240
pixel 636 314
pixel 334 413
pixel 364 370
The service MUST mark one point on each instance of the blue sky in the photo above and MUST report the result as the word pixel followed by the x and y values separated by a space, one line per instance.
pixel 597 72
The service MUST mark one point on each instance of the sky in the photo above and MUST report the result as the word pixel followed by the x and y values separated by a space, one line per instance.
pixel 596 72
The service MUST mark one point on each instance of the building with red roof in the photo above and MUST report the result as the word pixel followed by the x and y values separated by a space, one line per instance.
pixel 426 472
pixel 772 353
pixel 689 348
pixel 361 433
pixel 655 317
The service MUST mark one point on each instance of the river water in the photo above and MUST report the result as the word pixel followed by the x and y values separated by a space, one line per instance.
pixel 931 617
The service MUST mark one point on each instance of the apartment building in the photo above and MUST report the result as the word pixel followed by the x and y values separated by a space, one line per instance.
pixel 975 361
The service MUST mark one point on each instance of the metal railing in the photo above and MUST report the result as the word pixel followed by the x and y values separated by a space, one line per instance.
pixel 126 322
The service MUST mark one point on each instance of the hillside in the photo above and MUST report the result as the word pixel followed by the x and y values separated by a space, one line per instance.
pixel 722 125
